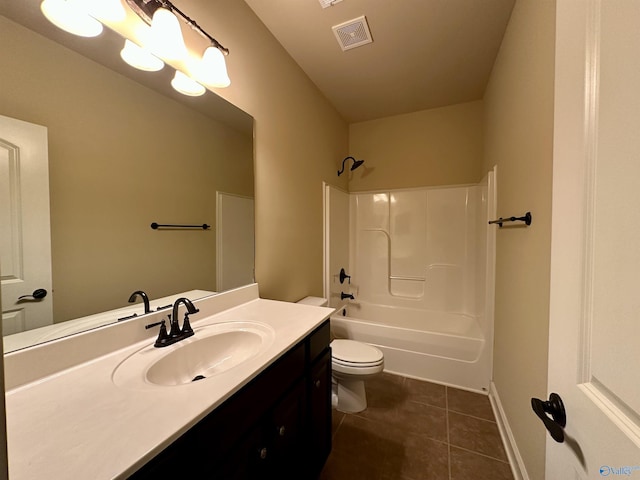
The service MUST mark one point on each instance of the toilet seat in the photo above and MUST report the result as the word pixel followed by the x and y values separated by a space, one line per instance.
pixel 350 352
pixel 355 358
pixel 337 361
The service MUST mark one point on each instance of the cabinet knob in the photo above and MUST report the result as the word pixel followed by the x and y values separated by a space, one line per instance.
pixel 317 383
pixel 281 431
pixel 263 453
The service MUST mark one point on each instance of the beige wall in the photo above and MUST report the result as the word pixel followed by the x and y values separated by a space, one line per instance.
pixel 518 138
pixel 300 141
pixel 441 146
pixel 121 156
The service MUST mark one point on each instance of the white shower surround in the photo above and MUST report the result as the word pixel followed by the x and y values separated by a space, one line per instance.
pixel 422 272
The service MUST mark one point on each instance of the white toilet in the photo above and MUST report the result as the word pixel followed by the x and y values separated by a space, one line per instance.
pixel 352 363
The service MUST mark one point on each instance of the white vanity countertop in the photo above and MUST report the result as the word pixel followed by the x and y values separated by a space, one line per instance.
pixel 77 424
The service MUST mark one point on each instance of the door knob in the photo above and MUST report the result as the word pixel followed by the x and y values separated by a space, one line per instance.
pixel 38 294
pixel 558 420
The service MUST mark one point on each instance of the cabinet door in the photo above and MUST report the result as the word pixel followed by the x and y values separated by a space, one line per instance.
pixel 320 411
pixel 273 449
pixel 248 460
pixel 286 431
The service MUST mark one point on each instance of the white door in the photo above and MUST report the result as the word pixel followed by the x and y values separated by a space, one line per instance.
pixel 235 246
pixel 594 347
pixel 25 242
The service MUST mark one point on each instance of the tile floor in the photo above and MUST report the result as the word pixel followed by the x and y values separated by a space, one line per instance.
pixel 414 430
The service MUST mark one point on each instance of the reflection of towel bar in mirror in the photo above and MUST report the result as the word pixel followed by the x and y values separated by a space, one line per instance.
pixel 526 219
pixel 156 226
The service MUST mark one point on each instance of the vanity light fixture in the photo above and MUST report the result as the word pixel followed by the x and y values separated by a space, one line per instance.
pixel 71 16
pixel 106 10
pixel 212 70
pixel 161 42
pixel 187 86
pixel 164 37
pixel 140 58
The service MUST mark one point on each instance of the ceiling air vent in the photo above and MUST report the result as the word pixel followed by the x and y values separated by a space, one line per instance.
pixel 328 3
pixel 353 33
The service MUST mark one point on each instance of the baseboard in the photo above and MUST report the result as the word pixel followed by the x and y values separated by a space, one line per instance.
pixel 513 454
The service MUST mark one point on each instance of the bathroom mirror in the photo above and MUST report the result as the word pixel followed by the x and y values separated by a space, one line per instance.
pixel 124 150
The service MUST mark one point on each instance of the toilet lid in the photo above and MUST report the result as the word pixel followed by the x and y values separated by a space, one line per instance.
pixel 355 352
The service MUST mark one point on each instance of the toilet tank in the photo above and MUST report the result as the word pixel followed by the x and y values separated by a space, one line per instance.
pixel 316 301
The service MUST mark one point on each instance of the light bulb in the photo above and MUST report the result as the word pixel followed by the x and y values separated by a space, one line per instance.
pixel 140 58
pixel 186 85
pixel 165 38
pixel 71 16
pixel 212 69
pixel 107 10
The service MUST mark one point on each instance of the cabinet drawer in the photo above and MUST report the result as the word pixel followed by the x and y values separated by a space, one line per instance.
pixel 319 340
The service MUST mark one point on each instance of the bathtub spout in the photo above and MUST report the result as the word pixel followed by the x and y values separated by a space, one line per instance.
pixel 346 295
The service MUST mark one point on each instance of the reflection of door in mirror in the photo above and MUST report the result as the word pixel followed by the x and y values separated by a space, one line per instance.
pixel 25 242
pixel 234 241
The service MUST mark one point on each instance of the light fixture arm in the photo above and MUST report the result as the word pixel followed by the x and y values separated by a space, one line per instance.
pixel 145 9
pixel 195 26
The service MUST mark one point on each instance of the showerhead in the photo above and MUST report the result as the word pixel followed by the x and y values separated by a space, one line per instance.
pixel 356 164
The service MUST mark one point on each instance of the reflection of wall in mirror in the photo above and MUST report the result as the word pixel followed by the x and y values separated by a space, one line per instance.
pixel 121 156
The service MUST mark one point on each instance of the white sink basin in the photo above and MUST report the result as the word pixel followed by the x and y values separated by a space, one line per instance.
pixel 213 350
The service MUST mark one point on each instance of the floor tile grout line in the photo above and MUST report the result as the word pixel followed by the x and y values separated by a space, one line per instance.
pixel 481 454
pixel 333 435
pixel 428 404
pixel 472 416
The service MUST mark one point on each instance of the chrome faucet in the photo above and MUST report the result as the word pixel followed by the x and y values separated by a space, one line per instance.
pixel 145 299
pixel 175 333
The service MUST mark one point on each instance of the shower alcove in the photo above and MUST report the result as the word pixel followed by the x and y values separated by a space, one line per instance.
pixel 421 263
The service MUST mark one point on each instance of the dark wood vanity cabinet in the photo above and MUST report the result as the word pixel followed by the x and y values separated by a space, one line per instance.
pixel 277 426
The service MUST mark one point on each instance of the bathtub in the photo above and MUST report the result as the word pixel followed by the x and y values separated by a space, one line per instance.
pixel 440 347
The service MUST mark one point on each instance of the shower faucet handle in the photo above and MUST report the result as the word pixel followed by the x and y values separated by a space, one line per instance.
pixel 343 276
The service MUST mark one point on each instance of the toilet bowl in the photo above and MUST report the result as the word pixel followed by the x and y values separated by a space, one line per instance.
pixel 352 363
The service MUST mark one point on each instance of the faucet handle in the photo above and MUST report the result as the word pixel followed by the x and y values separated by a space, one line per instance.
pixel 187 331
pixel 163 336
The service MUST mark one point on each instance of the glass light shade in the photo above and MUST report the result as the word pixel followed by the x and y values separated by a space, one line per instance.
pixel 140 58
pixel 71 16
pixel 107 10
pixel 186 85
pixel 212 69
pixel 165 38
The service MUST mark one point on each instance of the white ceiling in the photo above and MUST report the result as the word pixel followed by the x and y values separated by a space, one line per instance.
pixel 425 53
